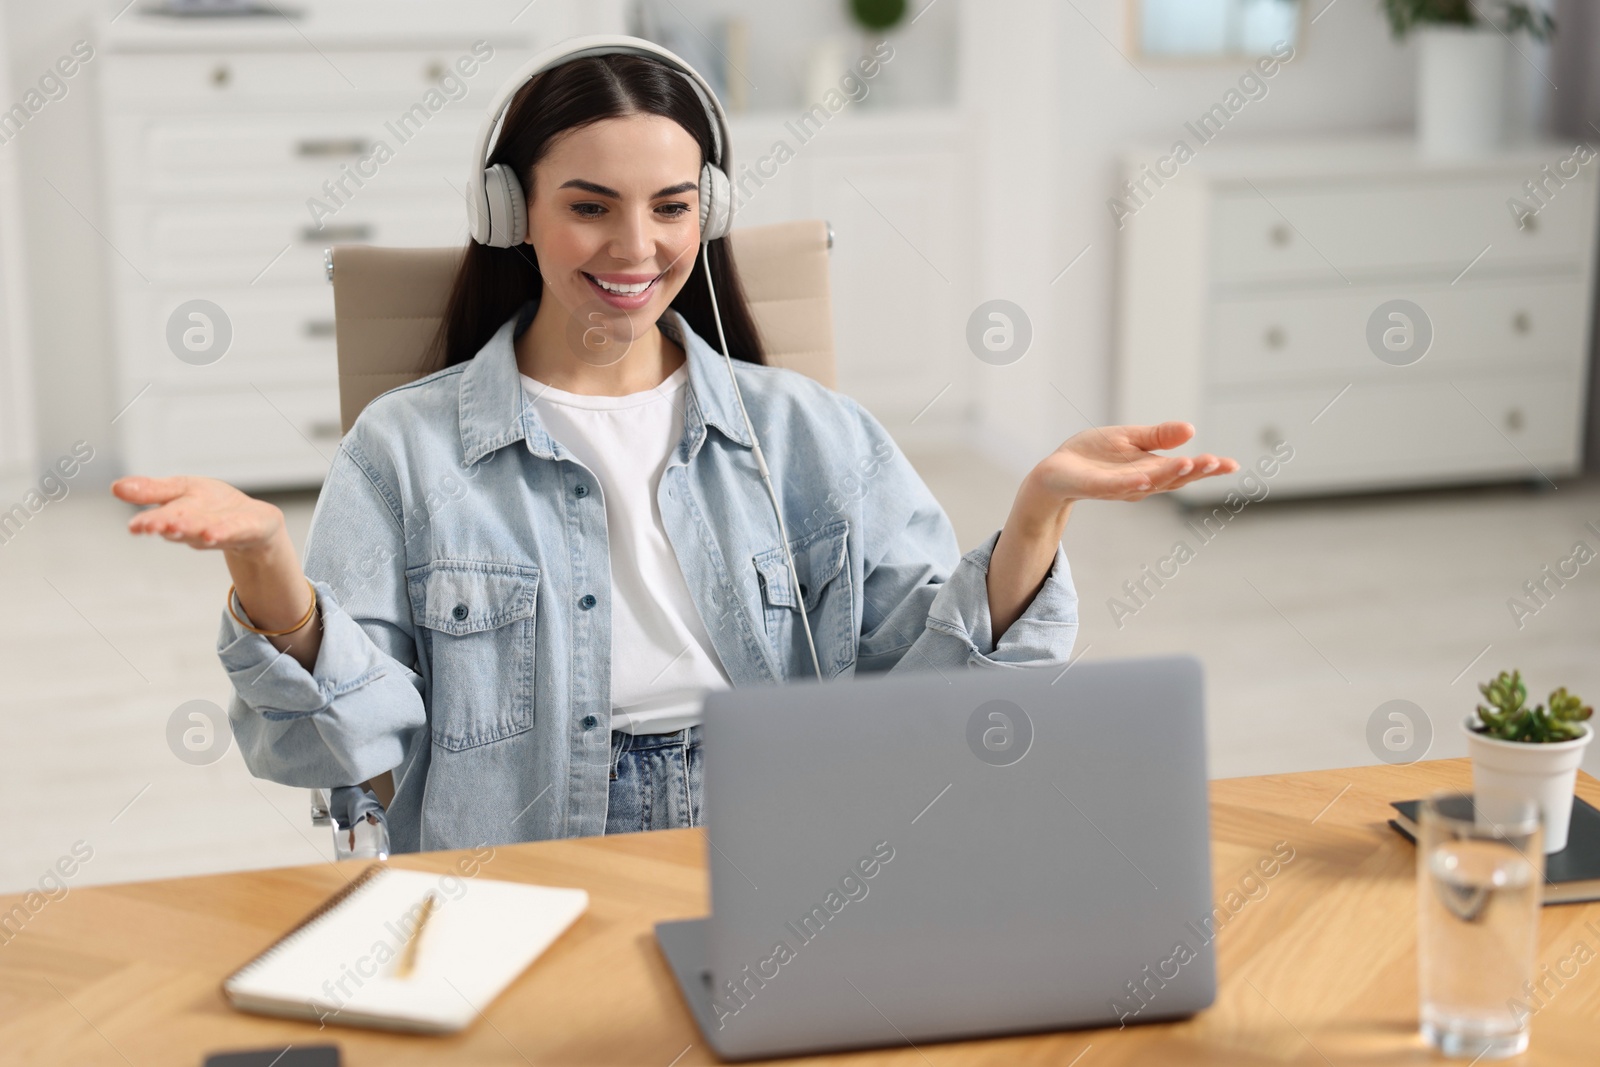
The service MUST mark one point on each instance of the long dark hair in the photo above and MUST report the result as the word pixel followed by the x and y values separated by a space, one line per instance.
pixel 493 283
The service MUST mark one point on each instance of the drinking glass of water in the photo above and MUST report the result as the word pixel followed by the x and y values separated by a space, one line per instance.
pixel 1480 871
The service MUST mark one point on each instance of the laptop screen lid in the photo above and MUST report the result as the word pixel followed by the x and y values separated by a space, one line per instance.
pixel 926 856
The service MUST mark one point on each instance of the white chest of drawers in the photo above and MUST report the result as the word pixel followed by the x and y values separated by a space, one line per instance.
pixel 219 136
pixel 1253 292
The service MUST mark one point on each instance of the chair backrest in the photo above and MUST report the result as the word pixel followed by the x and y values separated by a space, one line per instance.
pixel 388 303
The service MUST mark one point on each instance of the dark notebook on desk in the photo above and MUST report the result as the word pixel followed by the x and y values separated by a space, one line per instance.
pixel 1570 876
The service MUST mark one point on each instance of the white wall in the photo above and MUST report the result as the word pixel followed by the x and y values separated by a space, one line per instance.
pixel 65 257
pixel 16 380
pixel 1574 107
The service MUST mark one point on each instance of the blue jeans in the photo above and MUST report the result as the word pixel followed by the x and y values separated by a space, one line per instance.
pixel 655 781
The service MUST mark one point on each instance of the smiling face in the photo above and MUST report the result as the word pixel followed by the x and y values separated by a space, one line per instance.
pixel 613 216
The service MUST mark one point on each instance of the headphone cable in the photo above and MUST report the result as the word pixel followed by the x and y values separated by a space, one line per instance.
pixel 761 465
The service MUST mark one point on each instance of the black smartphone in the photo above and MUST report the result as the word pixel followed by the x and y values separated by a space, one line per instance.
pixel 285 1056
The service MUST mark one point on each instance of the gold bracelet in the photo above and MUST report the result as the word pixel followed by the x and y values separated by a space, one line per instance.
pixel 276 633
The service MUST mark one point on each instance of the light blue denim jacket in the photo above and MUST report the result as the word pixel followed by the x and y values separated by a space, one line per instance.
pixel 460 560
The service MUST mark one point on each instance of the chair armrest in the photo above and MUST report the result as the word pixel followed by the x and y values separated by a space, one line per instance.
pixel 320 808
pixel 356 817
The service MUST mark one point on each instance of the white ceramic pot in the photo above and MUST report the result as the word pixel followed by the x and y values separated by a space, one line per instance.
pixel 1518 770
pixel 1461 90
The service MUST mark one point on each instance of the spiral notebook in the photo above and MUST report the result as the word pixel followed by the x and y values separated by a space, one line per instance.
pixel 358 960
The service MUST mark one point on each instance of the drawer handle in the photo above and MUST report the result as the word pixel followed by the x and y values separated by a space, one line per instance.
pixel 221 75
pixel 319 328
pixel 435 71
pixel 1275 337
pixel 325 429
pixel 358 231
pixel 1522 322
pixel 1279 235
pixel 1271 437
pixel 333 146
pixel 1514 419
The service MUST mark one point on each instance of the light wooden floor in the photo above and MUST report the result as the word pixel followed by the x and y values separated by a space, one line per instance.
pixel 1307 616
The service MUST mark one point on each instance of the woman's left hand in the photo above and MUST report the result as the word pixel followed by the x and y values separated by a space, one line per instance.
pixel 1107 463
pixel 1119 463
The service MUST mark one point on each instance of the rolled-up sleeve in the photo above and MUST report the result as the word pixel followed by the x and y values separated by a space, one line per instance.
pixel 1042 636
pixel 927 607
pixel 352 716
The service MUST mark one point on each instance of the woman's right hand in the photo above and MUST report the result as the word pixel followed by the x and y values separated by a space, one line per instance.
pixel 201 513
pixel 207 513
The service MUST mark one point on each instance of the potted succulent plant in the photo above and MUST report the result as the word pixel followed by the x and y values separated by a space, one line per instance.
pixel 1461 69
pixel 1533 753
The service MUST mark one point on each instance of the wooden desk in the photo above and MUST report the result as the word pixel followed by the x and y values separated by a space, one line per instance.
pixel 1319 970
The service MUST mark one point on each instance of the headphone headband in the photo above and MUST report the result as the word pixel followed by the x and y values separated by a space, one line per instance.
pixel 487 205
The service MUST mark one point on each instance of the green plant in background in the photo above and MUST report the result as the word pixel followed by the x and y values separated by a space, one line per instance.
pixel 1407 15
pixel 878 15
pixel 1511 721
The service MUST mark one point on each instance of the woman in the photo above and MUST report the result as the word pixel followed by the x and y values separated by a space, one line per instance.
pixel 529 564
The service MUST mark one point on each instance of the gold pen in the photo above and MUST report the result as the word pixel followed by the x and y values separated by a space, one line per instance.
pixel 408 956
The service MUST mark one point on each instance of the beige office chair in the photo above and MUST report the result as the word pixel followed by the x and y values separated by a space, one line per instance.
pixel 388 303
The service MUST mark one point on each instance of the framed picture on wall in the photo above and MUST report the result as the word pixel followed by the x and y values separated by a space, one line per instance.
pixel 1212 29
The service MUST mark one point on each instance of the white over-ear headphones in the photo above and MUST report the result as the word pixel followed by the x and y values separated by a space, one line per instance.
pixel 497 207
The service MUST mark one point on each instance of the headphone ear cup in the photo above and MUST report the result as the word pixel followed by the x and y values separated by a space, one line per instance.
pixel 507 206
pixel 716 203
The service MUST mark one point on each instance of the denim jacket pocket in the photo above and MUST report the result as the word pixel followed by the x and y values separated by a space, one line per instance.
pixel 476 627
pixel 822 561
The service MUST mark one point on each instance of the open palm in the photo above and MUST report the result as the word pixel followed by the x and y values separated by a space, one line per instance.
pixel 1119 463
pixel 200 512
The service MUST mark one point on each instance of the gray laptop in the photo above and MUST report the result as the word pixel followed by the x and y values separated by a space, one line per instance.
pixel 930 857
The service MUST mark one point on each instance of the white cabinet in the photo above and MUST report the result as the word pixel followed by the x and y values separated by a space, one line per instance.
pixel 1256 291
pixel 236 151
pixel 894 185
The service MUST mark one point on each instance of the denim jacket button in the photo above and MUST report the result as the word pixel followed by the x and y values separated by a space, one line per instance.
pixel 587 601
pixel 590 722
pixel 459 612
pixel 580 490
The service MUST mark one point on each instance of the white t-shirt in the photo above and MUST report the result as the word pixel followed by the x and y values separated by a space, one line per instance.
pixel 662 662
